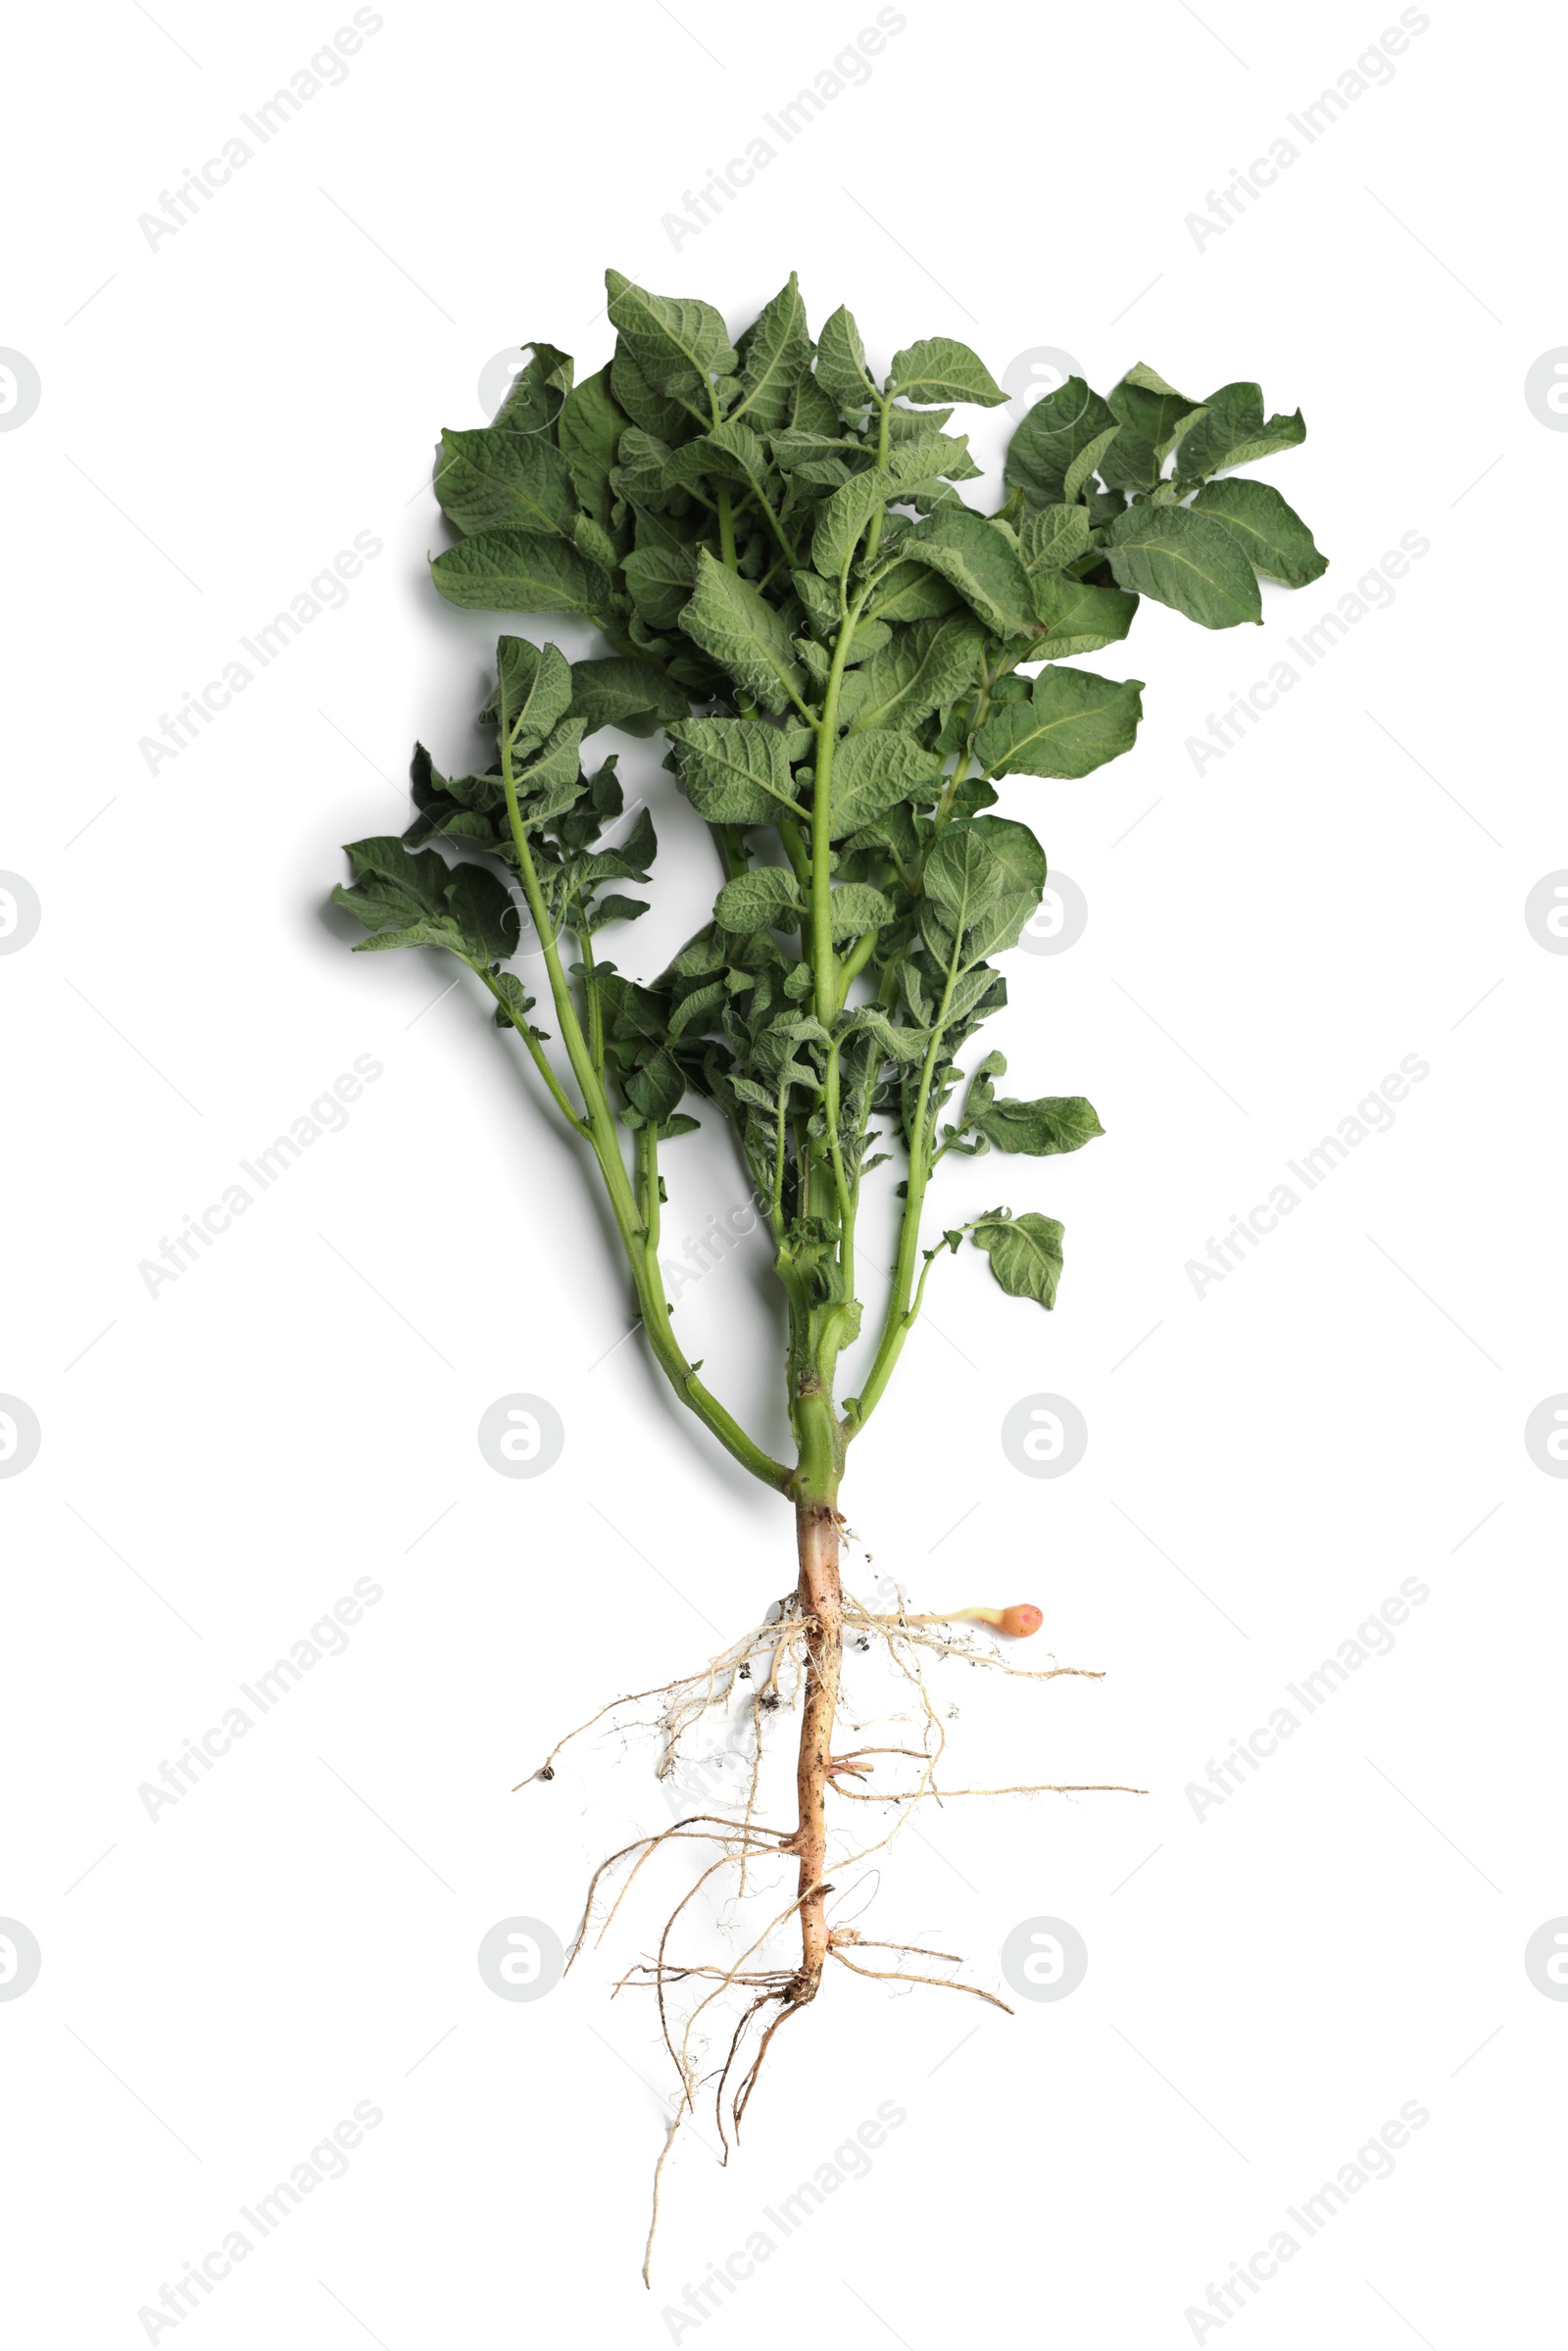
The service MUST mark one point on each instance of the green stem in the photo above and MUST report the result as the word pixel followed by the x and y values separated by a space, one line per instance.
pixel 841 1181
pixel 731 855
pixel 776 1210
pixel 754 491
pixel 901 1313
pixel 538 1052
pixel 629 1220
pixel 873 536
pixel 855 962
pixel 824 962
pixel 596 1010
pixel 795 848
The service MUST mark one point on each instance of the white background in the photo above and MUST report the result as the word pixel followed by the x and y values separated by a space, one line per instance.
pixel 220 415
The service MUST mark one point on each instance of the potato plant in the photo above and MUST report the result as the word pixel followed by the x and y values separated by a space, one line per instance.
pixel 846 657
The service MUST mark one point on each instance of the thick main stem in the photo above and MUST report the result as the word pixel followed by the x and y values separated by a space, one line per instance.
pixel 821 1604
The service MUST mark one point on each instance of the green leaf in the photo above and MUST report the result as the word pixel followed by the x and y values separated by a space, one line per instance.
pixel 1050 437
pixel 516 1003
pixel 1147 379
pixel 494 479
pixel 939 369
pixel 896 1043
pixel 588 431
pixel 639 473
pixel 391 882
pixel 593 542
pixel 552 779
pixel 1025 1253
pixel 1062 1122
pixel 1086 462
pixel 1077 618
pixel 745 634
pixel 1233 432
pixel 766 898
pixel 774 352
pixel 622 691
pixel 614 908
pixel 856 907
pixel 845 516
pixel 647 407
pixel 870 637
pixel 533 401
pixel 735 770
pixel 420 901
pixel 874 769
pixel 981 561
pixel 520 572
pixel 533 690
pixel 697 1006
pixel 1153 417
pixel 1187 561
pixel 1072 724
pixel 962 876
pixel 482 908
pixel 841 368
pixel 1050 537
pixel 630 860
pixel 812 409
pixel 911 592
pixel 923 668
pixel 1016 869
pixel 732 452
pixel 794 449
pixel 432 932
pixel 1270 534
pixel 660 578
pixel 983 881
pixel 920 461
pixel 677 344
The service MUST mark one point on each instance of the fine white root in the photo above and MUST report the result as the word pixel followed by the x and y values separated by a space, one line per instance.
pixel 773 1659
